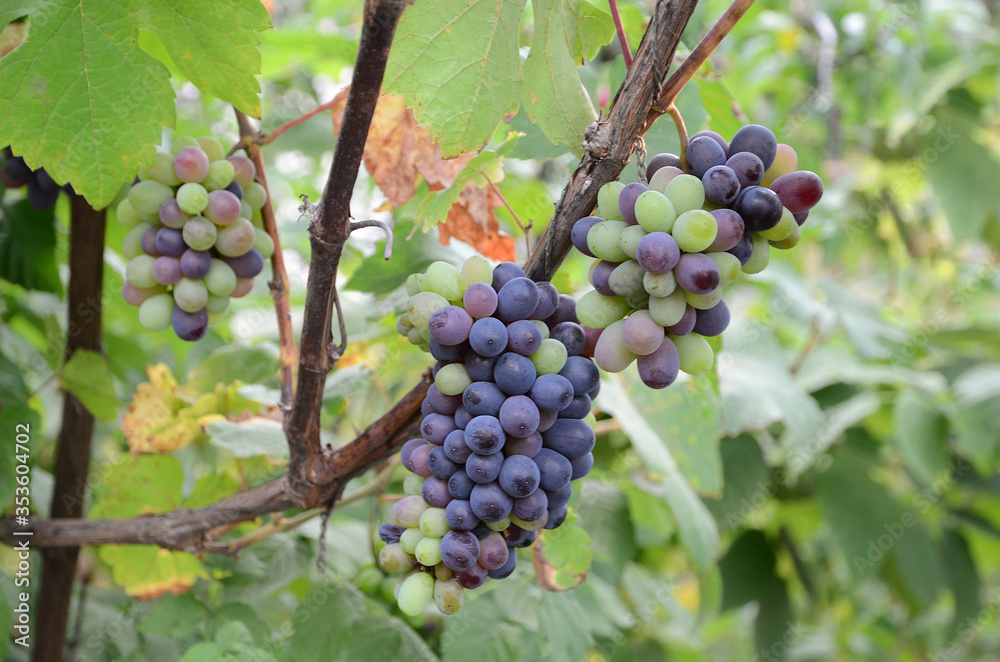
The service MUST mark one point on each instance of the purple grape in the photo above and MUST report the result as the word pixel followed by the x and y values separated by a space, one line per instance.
pixel 460 485
pixel 730 230
pixel 514 374
pixel 697 273
pixel 195 264
pixel 435 427
pixel 504 272
pixel 191 164
pixel 531 507
pixel 389 533
pixel 661 161
pixel 480 300
pixel 714 136
pixel 435 492
pixel 799 190
pixel 758 140
pixel 419 458
pixel 483 399
pixel 551 392
pixel 582 465
pixel 235 188
pixel 487 336
pixel 569 437
pixel 657 252
pixel 600 275
pixel 506 570
pixel 685 324
pixel 449 353
pixel 443 404
pixel 519 416
pixel 748 167
pixel 554 469
pixel 407 450
pixel 548 301
pixel 561 496
pixel 171 214
pixel 459 515
pixel 459 550
pixel 247 265
pixel 744 249
pixel 39 197
pixel 515 536
pixel 565 311
pixel 449 325
pixel 493 551
pixel 167 270
pixel 581 373
pixel 571 335
pixel 721 185
pixel 556 517
pixel 516 300
pixel 440 464
pixel 578 407
pixel 659 369
pixel 148 242
pixel 626 201
pixel 484 435
pixel 523 337
pixel 578 235
pixel 490 503
pixel 479 367
pixel 519 477
pixel 713 321
pixel 703 153
pixel 189 326
pixel 462 417
pixel 455 447
pixel 527 446
pixel 170 242
pixel 223 207
pixel 759 207
pixel 472 578
pixel 484 468
pixel 546 419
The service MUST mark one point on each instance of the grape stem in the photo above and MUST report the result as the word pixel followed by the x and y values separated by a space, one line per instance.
pixel 289 355
pixel 261 139
pixel 682 133
pixel 526 229
pixel 357 225
pixel 620 29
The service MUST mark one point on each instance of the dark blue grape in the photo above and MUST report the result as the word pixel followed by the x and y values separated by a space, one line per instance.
pixel 760 208
pixel 527 446
pixel 189 326
pixel 170 242
pixel 490 503
pixel 460 516
pixel 600 277
pixel 426 408
pixel 578 408
pixel 571 335
pixel 713 321
pixel 565 311
pixel 407 450
pixel 483 398
pixel 455 448
pixel 561 496
pixel 748 167
pixel 578 235
pixel 504 272
pixel 435 492
pixel 531 507
pixel 554 469
pixel 548 301
pixel 714 136
pixel 519 416
pixel 801 217
pixel 462 417
pixel 479 367
pixel 704 153
pixel 523 337
pixel 459 550
pixel 529 540
pixel 582 465
pixel 758 140
pixel 569 437
pixel 514 374
pixel 482 531
pixel 505 570
pixel 488 337
pixel 660 161
pixel 721 185
pixel 450 353
pixel 516 300
pixel 389 533
pixel 460 485
pixel 235 188
pixel 626 201
pixel 484 435
pixel 744 249
pixel 551 392
pixel 546 419
pixel 440 464
pixel 556 517
pixel 443 404
pixel 435 427
pixel 247 265
pixel 519 477
pixel 195 264
pixel 581 373
pixel 484 468
pixel 515 535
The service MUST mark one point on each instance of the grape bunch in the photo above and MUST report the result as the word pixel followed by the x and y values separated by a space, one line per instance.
pixel 43 191
pixel 196 235
pixel 664 251
pixel 507 426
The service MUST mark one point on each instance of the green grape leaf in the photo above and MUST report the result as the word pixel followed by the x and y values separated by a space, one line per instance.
pixel 917 564
pixel 27 247
pixel 698 530
pixel 562 556
pixel 205 651
pixel 963 579
pixel 722 107
pixel 922 435
pixel 87 376
pixel 249 438
pixel 209 489
pixel 172 616
pixel 81 98
pixel 138 485
pixel 147 571
pixel 457 64
pixel 566 32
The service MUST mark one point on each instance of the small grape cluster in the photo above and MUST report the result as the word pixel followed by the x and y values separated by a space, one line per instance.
pixel 197 237
pixel 665 251
pixel 507 426
pixel 43 191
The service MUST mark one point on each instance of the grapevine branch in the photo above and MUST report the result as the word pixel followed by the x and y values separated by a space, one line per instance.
pixel 192 530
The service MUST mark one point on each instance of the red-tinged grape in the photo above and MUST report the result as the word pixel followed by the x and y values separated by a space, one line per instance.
pixel 235 239
pixel 191 164
pixel 799 191
pixel 714 136
pixel 661 160
pixel 785 161
pixel 170 214
pixel 730 228
pixel 223 207
pixel 611 353
pixel 626 201
pixel 600 274
pixel 697 273
pixel 658 252
pixel 641 334
pixel 747 167
pixel 167 270
pixel 148 242
pixel 663 177
pixel 243 287
pixel 721 185
pixel 134 296
pixel 244 169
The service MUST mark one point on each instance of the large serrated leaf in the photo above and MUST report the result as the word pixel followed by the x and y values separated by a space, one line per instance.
pixel 457 64
pixel 138 485
pixel 82 99
pixel 566 32
pixel 147 571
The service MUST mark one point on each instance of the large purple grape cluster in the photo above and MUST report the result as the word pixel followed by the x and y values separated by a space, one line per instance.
pixel 196 235
pixel 666 250
pixel 507 426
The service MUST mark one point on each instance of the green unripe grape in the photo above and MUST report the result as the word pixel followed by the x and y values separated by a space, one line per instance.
pixel 410 539
pixel 663 176
pixel 217 305
pixel 263 243
pixel 156 311
pixel 537 525
pixel 235 239
pixel 542 326
pixel 590 420
pixel 629 242
pixel 604 240
pixel 192 198
pixel 452 379
pixel 550 357
pixel 413 335
pixel 704 301
pixel 448 596
pixel 408 510
pixel 728 264
pixel 369 580
pixel 162 169
pixel 685 193
pixel 257 219
pixel 668 310
pixel 220 175
pixel 434 523
pixel 415 593
pixel 190 295
pixel 146 197
pixel 245 211
pixel 139 271
pixel 180 142
pixel 444 279
pixel 695 230
pixel 638 301
pixel 422 305
pixel 626 278
pixel 199 233
pixel 791 241
pixel 443 572
pixel 655 212
pixel 212 147
pixel 428 551
pixel 127 215
pixel 761 255
pixel 782 229
pixel 476 269
pixel 403 325
pixel 220 279
pixel 413 284
pixel 662 285
pixel 387 590
pixel 255 195
pixel 132 245
pixel 393 558
pixel 412 484
pixel 696 355
pixel 499 526
pixel 610 353
pixel 598 311
pixel 607 201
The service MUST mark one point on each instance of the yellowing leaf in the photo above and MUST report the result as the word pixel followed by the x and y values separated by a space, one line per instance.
pixel 143 485
pixel 146 572
pixel 562 556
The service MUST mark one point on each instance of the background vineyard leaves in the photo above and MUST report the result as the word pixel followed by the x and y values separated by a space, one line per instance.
pixel 856 404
